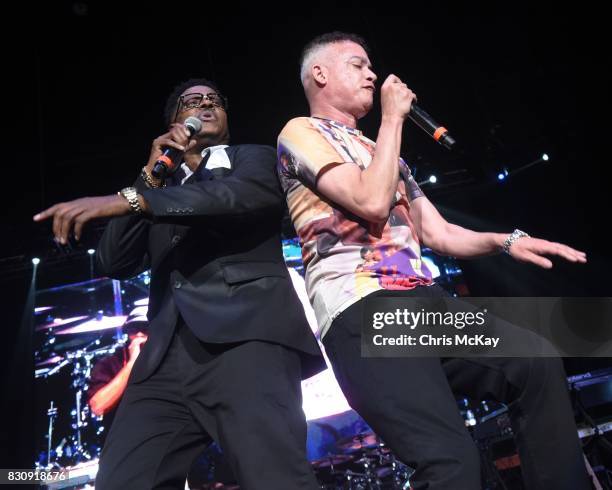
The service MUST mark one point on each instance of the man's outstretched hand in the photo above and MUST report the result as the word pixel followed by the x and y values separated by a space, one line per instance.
pixel 72 215
pixel 534 250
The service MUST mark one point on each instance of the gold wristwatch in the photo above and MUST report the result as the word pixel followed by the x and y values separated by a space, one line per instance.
pixel 131 196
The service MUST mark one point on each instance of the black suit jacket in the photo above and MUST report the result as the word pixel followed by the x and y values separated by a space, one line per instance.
pixel 214 251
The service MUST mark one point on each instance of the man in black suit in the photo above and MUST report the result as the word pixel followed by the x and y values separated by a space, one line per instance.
pixel 228 340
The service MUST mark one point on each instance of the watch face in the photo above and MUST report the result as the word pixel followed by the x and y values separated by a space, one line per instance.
pixel 131 195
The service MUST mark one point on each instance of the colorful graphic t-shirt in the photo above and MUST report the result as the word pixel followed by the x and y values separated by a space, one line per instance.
pixel 345 256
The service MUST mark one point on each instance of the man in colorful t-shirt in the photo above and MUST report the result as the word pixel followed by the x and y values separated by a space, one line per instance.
pixel 361 219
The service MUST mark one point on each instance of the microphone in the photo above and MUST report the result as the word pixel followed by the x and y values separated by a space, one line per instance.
pixel 432 128
pixel 166 161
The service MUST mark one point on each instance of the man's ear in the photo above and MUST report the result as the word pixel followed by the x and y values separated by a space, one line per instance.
pixel 319 74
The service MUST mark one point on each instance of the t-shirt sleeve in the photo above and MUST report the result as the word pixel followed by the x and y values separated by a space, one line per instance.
pixel 304 153
pixel 102 373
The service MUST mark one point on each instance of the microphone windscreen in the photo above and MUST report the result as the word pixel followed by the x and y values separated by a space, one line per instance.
pixel 193 124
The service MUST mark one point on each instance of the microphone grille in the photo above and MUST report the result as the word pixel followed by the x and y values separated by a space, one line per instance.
pixel 194 124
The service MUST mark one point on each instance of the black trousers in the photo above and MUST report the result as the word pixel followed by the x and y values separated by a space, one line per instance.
pixel 410 403
pixel 246 396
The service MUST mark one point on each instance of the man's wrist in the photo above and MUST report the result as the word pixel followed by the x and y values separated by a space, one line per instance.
pixel 144 205
pixel 125 207
pixel 132 197
pixel 150 181
pixel 510 239
pixel 392 119
pixel 498 241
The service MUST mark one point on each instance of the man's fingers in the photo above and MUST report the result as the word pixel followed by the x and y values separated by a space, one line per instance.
pixel 58 217
pixel 580 256
pixel 79 223
pixel 537 260
pixel 180 133
pixel 171 143
pixel 59 212
pixel 73 215
pixel 570 254
pixel 392 79
pixel 47 213
pixel 553 248
pixel 66 224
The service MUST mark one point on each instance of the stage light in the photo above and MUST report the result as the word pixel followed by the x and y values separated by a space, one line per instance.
pixel 91 251
pixel 432 179
pixel 544 157
pixel 502 174
pixel 35 261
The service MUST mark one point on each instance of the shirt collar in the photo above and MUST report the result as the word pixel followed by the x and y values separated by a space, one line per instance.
pixel 212 149
pixel 216 159
pixel 339 125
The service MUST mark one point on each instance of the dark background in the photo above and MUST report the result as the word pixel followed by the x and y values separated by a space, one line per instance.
pixel 87 84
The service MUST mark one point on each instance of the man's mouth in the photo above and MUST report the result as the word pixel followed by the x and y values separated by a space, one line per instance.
pixel 207 116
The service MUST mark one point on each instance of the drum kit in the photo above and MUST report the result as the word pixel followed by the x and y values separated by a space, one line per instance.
pixel 63 364
pixel 73 434
pixel 363 462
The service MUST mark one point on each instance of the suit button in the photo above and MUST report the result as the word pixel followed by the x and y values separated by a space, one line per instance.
pixel 176 239
pixel 177 284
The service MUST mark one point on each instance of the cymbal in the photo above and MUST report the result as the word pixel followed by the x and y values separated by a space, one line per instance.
pixel 47 362
pixel 95 324
pixel 365 460
pixel 58 322
pixel 71 343
pixel 41 309
pixel 139 311
pixel 331 460
pixel 359 441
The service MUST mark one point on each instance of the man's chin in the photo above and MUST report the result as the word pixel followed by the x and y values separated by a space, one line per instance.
pixel 364 110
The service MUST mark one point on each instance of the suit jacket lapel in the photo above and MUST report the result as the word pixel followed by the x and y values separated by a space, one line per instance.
pixel 219 172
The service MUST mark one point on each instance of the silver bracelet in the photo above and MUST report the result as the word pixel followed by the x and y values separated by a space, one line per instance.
pixel 513 237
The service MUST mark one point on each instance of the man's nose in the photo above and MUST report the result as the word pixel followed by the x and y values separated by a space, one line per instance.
pixel 206 103
pixel 372 76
